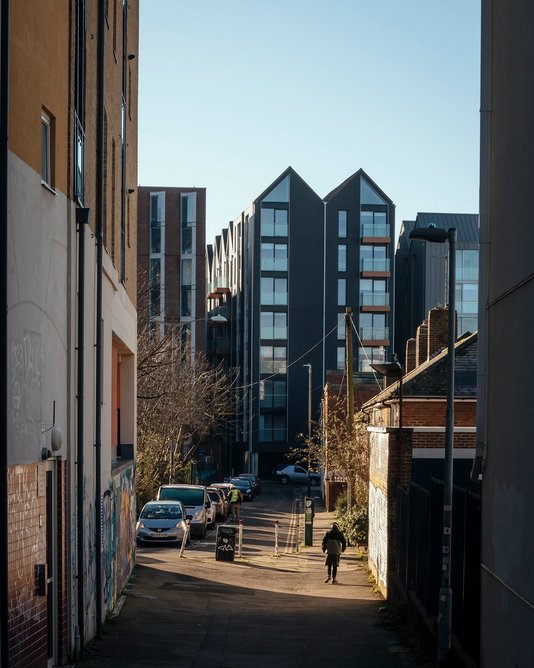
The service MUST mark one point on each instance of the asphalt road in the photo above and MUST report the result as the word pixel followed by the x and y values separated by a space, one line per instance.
pixel 260 610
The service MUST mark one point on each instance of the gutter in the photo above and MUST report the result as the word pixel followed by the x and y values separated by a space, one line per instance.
pixel 99 226
pixel 4 152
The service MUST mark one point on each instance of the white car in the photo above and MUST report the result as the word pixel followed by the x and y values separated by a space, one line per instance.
pixel 211 512
pixel 291 473
pixel 161 522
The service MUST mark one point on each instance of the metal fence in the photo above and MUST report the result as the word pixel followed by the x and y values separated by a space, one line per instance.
pixel 418 554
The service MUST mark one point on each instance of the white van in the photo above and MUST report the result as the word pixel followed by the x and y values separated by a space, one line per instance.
pixel 195 501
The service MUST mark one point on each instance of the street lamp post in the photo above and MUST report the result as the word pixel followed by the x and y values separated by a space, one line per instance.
pixel 309 420
pixel 439 235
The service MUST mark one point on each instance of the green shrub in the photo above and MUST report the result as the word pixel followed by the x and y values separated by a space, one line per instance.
pixel 340 507
pixel 355 525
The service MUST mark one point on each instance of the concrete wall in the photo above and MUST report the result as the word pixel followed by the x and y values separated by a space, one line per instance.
pixel 507 323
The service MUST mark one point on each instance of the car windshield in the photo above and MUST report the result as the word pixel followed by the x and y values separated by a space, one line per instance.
pixel 189 496
pixel 214 496
pixel 239 482
pixel 161 511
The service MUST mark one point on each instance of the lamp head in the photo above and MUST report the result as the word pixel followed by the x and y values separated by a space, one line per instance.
pixel 430 233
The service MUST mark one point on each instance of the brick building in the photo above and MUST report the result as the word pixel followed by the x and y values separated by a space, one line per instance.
pixel 171 256
pixel 416 453
pixel 70 329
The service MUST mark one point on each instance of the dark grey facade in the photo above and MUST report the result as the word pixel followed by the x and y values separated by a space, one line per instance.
pixel 421 275
pixel 504 423
pixel 283 274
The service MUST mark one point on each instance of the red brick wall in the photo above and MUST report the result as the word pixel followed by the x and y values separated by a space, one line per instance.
pixel 438 330
pixel 410 355
pixel 421 345
pixel 432 413
pixel 26 548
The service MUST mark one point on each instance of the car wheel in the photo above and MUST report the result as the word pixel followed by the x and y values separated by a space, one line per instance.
pixel 284 480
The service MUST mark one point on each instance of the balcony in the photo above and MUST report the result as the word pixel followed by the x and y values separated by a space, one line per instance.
pixel 374 336
pixel 374 265
pixel 374 299
pixel 375 231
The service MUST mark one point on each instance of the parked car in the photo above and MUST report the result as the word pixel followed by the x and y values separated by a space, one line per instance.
pixel 211 512
pixel 194 498
pixel 244 485
pixel 252 482
pixel 256 482
pixel 219 500
pixel 291 473
pixel 161 522
pixel 224 487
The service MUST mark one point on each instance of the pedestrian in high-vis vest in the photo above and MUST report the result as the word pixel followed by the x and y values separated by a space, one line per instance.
pixel 334 544
pixel 235 498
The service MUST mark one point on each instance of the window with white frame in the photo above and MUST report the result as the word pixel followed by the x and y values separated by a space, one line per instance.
pixel 46 149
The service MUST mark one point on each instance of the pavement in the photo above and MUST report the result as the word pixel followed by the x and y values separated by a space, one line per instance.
pixel 262 609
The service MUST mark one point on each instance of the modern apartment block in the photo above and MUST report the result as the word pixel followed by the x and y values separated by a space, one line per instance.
pixel 505 457
pixel 171 251
pixel 283 274
pixel 68 216
pixel 421 275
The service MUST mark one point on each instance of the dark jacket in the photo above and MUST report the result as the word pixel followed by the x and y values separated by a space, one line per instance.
pixel 334 542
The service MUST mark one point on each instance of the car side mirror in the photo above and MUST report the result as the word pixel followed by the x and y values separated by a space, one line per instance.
pixel 207 504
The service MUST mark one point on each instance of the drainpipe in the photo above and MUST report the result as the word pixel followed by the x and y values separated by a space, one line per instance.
pixel 4 110
pixel 99 226
pixel 82 218
pixel 483 242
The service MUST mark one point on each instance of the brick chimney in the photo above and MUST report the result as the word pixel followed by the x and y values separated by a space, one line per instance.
pixel 421 343
pixel 438 323
pixel 410 354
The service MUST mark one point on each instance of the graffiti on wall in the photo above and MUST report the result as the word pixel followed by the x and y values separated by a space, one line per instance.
pixel 26 361
pixel 89 561
pixel 118 534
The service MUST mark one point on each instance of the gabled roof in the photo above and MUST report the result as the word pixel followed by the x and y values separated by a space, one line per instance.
pixel 430 378
pixel 358 174
pixel 280 178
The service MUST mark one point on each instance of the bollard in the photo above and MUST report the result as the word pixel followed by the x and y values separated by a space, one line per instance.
pixel 297 508
pixel 184 539
pixel 240 539
pixel 276 527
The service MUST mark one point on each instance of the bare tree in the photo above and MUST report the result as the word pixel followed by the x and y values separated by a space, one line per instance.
pixel 181 399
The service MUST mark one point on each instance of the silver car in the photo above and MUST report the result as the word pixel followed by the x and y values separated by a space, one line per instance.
pixel 161 522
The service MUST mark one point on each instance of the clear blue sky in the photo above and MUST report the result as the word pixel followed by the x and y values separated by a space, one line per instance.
pixel 231 92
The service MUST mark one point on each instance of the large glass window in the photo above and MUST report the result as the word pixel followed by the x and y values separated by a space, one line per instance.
pixel 188 213
pixel 373 326
pixel 272 428
pixel 279 193
pixel 157 207
pixel 340 326
pixel 342 224
pixel 368 356
pixel 155 237
pixel 368 195
pixel 274 222
pixel 374 224
pixel 342 257
pixel 374 258
pixel 154 277
pixel 273 359
pixel 340 358
pixel 186 280
pixel 373 292
pixel 467 298
pixel 273 291
pixel 273 325
pixel 341 291
pixel 273 257
pixel 467 265
pixel 273 393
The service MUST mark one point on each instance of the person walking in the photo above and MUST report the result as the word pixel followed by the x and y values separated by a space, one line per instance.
pixel 334 544
pixel 235 498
